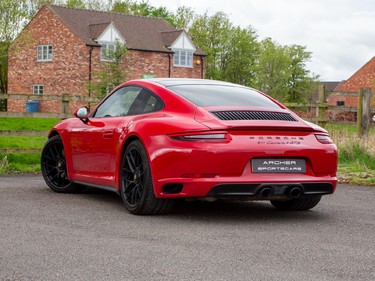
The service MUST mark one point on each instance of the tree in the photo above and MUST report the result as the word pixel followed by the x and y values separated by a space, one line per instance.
pixel 212 34
pixel 12 14
pixel 35 5
pixel 300 82
pixel 3 69
pixel 141 9
pixel 98 5
pixel 76 4
pixel 282 71
pixel 111 73
pixel 273 69
pixel 184 17
pixel 240 57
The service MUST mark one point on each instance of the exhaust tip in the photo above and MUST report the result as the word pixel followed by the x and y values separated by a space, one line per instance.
pixel 295 192
pixel 265 192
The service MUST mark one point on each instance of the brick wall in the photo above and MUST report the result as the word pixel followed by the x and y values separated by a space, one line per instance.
pixel 363 78
pixel 350 101
pixel 65 74
pixel 158 64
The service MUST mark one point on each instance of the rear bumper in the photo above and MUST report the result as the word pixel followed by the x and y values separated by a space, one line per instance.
pixel 272 190
pixel 199 169
pixel 266 190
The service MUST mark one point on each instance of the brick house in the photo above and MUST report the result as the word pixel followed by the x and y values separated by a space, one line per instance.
pixel 345 95
pixel 65 46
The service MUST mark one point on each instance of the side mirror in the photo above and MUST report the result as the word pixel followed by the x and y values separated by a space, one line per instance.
pixel 82 113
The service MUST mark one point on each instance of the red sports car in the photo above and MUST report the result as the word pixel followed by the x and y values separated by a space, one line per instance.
pixel 156 140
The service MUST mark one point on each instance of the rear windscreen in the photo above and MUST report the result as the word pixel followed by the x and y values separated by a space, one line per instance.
pixel 221 95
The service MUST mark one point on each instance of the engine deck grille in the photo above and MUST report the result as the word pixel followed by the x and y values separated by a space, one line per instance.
pixel 253 115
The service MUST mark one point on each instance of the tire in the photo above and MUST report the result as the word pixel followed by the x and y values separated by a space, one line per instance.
pixel 53 166
pixel 299 204
pixel 137 190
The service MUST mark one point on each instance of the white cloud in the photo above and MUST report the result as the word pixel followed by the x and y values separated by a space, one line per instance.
pixel 339 33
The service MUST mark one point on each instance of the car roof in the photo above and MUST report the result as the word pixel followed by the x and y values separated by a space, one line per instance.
pixel 187 81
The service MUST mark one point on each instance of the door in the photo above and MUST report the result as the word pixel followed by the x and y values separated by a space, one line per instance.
pixel 95 143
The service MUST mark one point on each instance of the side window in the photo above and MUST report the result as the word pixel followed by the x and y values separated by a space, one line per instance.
pixel 146 102
pixel 119 103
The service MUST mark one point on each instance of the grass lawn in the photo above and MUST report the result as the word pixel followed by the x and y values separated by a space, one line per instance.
pixel 19 163
pixel 22 141
pixel 37 124
pixel 23 163
pixel 356 156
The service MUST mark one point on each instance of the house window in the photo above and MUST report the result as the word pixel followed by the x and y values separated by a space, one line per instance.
pixel 183 58
pixel 340 103
pixel 45 53
pixel 106 51
pixel 38 89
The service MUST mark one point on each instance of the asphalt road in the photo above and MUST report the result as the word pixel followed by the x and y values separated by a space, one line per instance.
pixel 90 236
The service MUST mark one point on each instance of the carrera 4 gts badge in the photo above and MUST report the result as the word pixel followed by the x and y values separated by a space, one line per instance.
pixel 278 140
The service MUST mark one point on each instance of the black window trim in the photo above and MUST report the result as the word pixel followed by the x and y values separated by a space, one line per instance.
pixel 92 115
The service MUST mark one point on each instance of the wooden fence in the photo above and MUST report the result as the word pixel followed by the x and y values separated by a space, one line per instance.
pixel 30 133
pixel 64 99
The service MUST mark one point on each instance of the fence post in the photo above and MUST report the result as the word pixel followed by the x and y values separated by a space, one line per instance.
pixel 321 107
pixel 364 112
pixel 65 103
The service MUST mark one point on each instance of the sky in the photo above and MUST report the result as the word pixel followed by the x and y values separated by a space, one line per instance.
pixel 339 33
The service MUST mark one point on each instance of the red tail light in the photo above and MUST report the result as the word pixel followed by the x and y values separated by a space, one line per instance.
pixel 203 137
pixel 323 138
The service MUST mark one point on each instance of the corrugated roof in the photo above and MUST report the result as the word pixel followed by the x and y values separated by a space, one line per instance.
pixel 141 33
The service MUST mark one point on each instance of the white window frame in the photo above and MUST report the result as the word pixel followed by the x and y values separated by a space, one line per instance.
pixel 44 53
pixel 183 58
pixel 38 89
pixel 103 50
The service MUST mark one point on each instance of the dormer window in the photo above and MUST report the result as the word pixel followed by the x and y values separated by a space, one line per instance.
pixel 44 53
pixel 108 36
pixel 107 50
pixel 183 58
pixel 182 47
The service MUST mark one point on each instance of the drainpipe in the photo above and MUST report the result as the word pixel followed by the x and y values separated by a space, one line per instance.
pixel 169 65
pixel 90 72
pixel 202 75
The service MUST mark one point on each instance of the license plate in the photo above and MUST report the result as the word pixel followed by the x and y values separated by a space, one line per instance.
pixel 269 165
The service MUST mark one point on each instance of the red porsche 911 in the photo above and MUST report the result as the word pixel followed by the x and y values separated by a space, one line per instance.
pixel 157 140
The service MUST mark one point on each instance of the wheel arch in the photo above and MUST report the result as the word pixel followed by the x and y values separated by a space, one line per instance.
pixel 53 133
pixel 68 155
pixel 125 144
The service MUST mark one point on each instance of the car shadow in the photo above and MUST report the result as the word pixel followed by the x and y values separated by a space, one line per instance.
pixel 215 211
pixel 242 211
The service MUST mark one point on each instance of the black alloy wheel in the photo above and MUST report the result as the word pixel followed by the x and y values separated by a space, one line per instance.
pixel 137 190
pixel 53 166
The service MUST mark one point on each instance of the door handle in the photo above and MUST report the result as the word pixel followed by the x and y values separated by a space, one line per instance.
pixel 108 134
